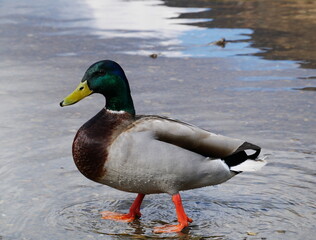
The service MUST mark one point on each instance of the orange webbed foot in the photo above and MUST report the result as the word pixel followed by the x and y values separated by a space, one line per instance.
pixel 119 216
pixel 134 212
pixel 183 219
pixel 169 228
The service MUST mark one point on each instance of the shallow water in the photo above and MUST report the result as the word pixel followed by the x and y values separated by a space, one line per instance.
pixel 247 89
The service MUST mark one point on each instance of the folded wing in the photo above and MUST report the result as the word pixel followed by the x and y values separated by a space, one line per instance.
pixel 232 151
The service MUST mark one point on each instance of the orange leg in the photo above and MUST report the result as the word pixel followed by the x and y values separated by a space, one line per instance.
pixel 134 211
pixel 183 219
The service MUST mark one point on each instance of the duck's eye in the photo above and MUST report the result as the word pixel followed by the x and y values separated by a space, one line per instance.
pixel 81 88
pixel 100 73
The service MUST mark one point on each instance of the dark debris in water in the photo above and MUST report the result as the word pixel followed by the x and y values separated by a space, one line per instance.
pixel 306 89
pixel 307 78
pixel 222 42
pixel 154 55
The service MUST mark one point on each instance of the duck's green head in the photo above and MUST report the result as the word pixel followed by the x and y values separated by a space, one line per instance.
pixel 108 78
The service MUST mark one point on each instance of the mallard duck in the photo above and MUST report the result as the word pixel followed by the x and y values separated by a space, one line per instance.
pixel 149 154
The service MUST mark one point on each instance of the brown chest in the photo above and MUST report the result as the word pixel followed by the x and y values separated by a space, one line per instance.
pixel 90 146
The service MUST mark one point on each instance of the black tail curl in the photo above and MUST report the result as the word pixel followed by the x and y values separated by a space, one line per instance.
pixel 240 154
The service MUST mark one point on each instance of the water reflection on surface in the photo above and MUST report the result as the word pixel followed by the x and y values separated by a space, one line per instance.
pixel 274 30
pixel 283 30
pixel 256 30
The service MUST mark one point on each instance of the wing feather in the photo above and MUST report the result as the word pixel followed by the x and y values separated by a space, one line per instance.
pixel 187 136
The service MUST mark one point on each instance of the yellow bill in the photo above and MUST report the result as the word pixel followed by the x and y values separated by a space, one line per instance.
pixel 80 92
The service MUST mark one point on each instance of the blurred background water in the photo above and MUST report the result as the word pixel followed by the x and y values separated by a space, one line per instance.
pixel 256 84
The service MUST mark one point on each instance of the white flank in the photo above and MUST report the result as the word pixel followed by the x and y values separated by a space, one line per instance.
pixel 249 165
